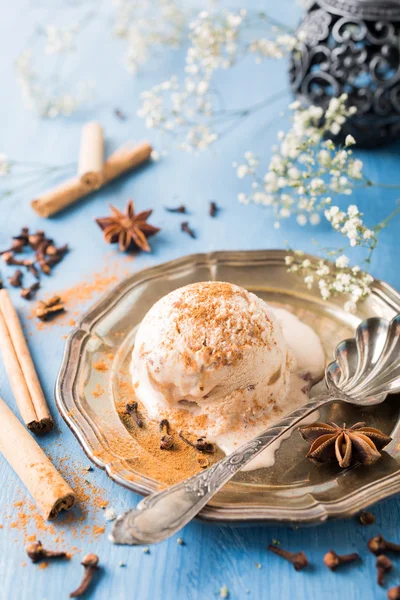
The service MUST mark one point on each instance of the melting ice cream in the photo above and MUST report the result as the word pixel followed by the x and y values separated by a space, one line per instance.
pixel 221 358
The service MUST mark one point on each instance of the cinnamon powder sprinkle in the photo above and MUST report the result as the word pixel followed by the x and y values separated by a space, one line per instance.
pixel 79 523
pixel 143 452
pixel 98 391
pixel 75 297
pixel 100 366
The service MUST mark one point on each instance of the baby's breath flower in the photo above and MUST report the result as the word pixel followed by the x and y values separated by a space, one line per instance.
pixel 349 141
pixel 146 26
pixel 333 281
pixel 306 168
pixel 5 166
pixel 184 109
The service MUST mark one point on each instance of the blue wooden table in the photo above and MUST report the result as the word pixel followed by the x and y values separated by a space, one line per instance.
pixel 212 556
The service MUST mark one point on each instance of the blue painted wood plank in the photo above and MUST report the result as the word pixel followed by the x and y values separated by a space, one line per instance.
pixel 212 556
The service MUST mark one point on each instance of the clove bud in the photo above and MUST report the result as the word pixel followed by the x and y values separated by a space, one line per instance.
pixel 10 259
pixel 297 559
pixel 394 593
pixel 378 545
pixel 186 229
pixel 383 566
pixel 132 410
pixel 35 239
pixel 167 441
pixel 36 552
pixel 366 518
pixel 51 250
pixel 201 444
pixel 213 209
pixel 90 563
pixel 44 310
pixel 16 279
pixel 333 560
pixel 28 292
pixel 179 209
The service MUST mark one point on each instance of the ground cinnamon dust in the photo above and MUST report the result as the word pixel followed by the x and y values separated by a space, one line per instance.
pixel 90 288
pixel 84 522
pixel 144 454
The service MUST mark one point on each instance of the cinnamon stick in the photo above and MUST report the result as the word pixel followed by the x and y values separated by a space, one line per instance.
pixel 21 370
pixel 91 155
pixel 122 160
pixel 49 490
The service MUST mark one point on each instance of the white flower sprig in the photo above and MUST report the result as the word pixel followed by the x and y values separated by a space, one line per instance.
pixel 147 25
pixel 5 165
pixel 332 279
pixel 17 176
pixel 48 95
pixel 340 278
pixel 305 169
pixel 190 110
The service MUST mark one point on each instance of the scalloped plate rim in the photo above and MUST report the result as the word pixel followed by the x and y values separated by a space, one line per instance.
pixel 314 513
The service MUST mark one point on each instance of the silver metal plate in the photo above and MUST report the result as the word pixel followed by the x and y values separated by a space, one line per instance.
pixel 294 490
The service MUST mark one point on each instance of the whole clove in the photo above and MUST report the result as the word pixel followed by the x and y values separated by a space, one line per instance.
pixel 10 259
pixel 41 256
pixel 35 239
pixel 186 229
pixel 201 444
pixel 333 560
pixel 27 293
pixel 167 441
pixel 178 209
pixel 394 593
pixel 132 410
pixel 16 279
pixel 17 245
pixel 297 559
pixel 213 209
pixel 36 552
pixel 119 114
pixel 366 518
pixel 378 545
pixel 383 566
pixel 52 250
pixel 90 563
pixel 33 270
pixel 23 236
pixel 46 255
pixel 45 310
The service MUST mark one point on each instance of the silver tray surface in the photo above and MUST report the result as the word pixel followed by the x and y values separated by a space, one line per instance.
pixel 294 490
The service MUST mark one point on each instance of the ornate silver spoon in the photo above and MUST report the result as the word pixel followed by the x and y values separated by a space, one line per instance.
pixel 365 370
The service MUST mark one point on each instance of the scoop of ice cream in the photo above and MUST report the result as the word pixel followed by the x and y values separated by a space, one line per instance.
pixel 215 350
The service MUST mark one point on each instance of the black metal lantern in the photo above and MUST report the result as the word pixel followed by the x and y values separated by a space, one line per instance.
pixel 353 47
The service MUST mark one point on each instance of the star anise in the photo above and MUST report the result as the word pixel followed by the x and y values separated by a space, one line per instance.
pixel 127 229
pixel 347 445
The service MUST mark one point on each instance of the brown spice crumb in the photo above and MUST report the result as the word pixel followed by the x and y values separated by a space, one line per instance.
pixel 97 530
pixel 100 366
pixel 98 391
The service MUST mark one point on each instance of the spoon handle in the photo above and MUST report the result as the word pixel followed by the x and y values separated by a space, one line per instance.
pixel 161 514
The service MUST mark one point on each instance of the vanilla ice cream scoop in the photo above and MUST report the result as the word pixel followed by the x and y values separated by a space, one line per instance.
pixel 213 349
